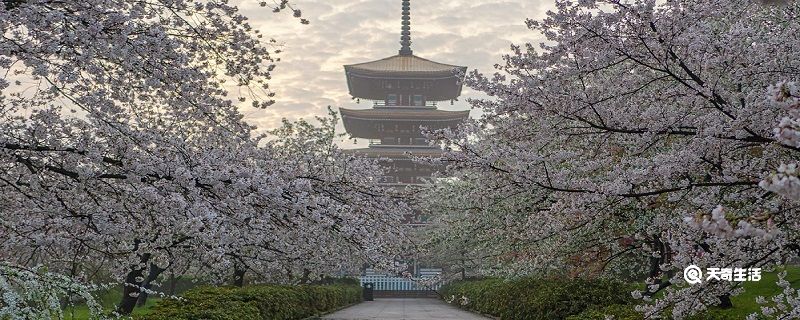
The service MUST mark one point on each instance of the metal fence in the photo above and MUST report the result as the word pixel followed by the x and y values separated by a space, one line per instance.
pixel 382 282
pixel 387 283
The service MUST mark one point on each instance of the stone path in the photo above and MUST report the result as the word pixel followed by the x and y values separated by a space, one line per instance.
pixel 403 309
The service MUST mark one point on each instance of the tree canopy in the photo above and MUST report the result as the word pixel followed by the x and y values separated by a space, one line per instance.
pixel 641 135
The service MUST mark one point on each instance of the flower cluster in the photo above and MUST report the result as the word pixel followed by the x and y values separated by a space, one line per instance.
pixel 37 294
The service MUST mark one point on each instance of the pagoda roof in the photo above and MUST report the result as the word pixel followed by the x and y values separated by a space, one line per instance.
pixel 406 65
pixel 404 114
pixel 363 123
pixel 405 74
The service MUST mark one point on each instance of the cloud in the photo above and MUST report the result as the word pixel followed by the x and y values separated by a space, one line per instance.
pixel 310 76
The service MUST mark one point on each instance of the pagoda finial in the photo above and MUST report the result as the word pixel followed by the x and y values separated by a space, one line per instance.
pixel 405 35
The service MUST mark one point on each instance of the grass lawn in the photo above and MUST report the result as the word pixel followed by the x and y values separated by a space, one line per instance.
pixel 108 299
pixel 745 303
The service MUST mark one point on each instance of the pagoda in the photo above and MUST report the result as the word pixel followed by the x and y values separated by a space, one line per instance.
pixel 404 90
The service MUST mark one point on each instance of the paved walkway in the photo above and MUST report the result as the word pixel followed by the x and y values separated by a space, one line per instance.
pixel 403 309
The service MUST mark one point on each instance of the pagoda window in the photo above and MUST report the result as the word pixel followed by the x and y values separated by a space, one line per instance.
pixel 419 100
pixel 391 100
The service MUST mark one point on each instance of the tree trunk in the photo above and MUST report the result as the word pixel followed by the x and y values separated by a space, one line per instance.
pixel 655 265
pixel 238 275
pixel 155 271
pixel 463 269
pixel 306 276
pixel 130 292
pixel 725 301
pixel 173 281
pixel 131 287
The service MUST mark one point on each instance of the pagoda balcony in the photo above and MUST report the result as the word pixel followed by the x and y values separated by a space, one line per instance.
pixel 402 132
pixel 403 185
pixel 405 181
pixel 383 104
pixel 397 152
pixel 419 143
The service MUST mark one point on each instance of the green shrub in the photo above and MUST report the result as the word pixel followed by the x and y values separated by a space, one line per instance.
pixel 342 281
pixel 617 311
pixel 530 298
pixel 262 302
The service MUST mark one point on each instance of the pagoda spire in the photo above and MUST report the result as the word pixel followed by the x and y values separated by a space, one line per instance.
pixel 405 35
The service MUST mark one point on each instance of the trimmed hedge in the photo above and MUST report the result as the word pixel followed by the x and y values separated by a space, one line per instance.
pixel 617 311
pixel 261 302
pixel 533 299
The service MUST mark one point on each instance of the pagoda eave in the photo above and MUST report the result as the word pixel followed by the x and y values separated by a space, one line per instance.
pixel 405 114
pixel 434 88
pixel 455 73
pixel 377 123
pixel 405 74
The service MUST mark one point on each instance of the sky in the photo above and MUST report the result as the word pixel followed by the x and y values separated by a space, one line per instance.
pixel 310 76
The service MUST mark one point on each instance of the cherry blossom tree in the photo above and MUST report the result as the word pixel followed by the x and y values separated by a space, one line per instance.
pixel 121 150
pixel 467 227
pixel 636 137
pixel 786 96
pixel 37 294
